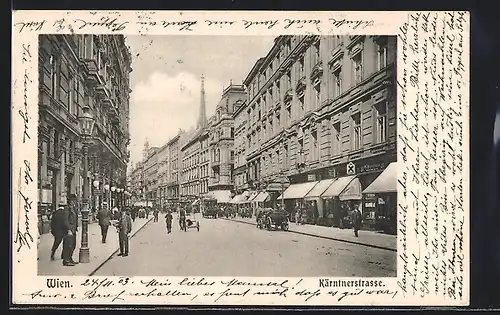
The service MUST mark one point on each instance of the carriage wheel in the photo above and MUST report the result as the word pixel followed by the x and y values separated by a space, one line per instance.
pixel 269 224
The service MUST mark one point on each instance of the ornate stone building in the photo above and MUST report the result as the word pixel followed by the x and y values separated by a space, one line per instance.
pixel 195 156
pixel 77 71
pixel 321 107
pixel 221 183
pixel 174 166
pixel 240 148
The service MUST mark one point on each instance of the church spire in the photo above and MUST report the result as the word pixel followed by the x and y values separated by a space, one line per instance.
pixel 145 151
pixel 202 118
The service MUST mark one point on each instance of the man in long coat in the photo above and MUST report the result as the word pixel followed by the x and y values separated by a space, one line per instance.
pixel 104 217
pixel 70 219
pixel 124 229
pixel 57 229
pixel 356 220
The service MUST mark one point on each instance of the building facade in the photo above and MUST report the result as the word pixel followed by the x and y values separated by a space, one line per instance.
pixel 321 107
pixel 240 148
pixel 163 161
pixel 222 139
pixel 174 166
pixel 136 183
pixel 195 165
pixel 150 176
pixel 77 71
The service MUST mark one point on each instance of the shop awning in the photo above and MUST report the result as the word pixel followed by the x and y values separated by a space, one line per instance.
pixel 386 182
pixel 319 189
pixel 261 197
pixel 195 202
pixel 337 187
pixel 352 191
pixel 238 199
pixel 222 196
pixel 297 191
pixel 251 197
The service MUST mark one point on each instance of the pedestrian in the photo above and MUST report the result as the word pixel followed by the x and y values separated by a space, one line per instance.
pixel 168 219
pixel 57 229
pixel 297 216
pixel 124 229
pixel 104 217
pixel 70 219
pixel 356 220
pixel 133 214
pixel 155 215
pixel 182 218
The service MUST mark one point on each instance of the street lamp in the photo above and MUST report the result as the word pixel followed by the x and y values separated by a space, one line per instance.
pixel 86 121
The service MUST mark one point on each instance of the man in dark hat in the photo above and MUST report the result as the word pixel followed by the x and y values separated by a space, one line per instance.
pixel 70 219
pixel 124 229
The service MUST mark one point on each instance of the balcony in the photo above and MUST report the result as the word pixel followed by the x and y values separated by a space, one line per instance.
pixel 301 85
pixel 215 163
pixel 90 65
pixel 317 71
pixel 288 96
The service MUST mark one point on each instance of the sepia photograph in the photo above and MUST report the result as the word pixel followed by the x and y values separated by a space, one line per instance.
pixel 248 158
pixel 217 156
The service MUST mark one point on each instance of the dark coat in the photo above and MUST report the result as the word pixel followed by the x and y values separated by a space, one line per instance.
pixel 70 219
pixel 125 224
pixel 356 219
pixel 104 217
pixel 57 225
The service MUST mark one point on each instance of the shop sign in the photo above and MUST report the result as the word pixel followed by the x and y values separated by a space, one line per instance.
pixel 370 204
pixel 374 167
pixel 311 177
pixel 351 168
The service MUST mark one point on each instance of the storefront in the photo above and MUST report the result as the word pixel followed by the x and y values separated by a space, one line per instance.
pixel 340 198
pixel 380 200
pixel 294 195
pixel 315 205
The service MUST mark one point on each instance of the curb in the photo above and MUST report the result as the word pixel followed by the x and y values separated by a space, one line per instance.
pixel 116 250
pixel 328 238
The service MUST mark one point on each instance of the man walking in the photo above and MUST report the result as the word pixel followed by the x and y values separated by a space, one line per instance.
pixel 168 219
pixel 182 218
pixel 124 229
pixel 155 215
pixel 70 219
pixel 104 217
pixel 57 229
pixel 356 220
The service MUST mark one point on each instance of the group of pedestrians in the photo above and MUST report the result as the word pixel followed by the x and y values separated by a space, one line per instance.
pixel 64 227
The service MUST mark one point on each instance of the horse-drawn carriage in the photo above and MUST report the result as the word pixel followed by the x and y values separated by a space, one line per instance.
pixel 272 219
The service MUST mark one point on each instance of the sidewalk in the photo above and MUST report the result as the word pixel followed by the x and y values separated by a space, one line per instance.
pixel 99 253
pixel 366 238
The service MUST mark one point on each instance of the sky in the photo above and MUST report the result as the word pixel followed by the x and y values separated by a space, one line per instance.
pixel 166 80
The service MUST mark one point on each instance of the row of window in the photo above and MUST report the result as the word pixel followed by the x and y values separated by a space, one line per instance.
pixel 195 189
pixel 195 173
pixel 258 110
